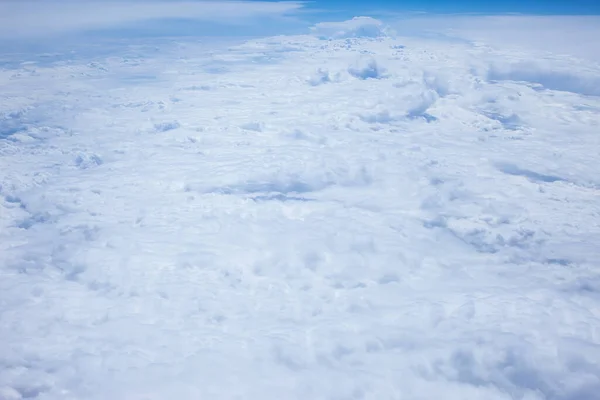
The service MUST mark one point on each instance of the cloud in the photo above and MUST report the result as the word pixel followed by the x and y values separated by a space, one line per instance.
pixel 356 27
pixel 573 35
pixel 32 18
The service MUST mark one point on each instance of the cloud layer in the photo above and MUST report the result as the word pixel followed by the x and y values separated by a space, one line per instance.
pixel 32 18
pixel 563 34
pixel 348 216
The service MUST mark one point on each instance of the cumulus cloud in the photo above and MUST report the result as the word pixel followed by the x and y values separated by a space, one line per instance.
pixel 30 18
pixel 356 27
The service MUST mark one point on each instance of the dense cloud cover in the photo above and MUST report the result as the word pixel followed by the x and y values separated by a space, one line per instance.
pixel 346 214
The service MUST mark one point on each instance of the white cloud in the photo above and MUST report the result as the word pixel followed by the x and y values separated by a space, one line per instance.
pixel 356 27
pixel 570 35
pixel 198 219
pixel 32 18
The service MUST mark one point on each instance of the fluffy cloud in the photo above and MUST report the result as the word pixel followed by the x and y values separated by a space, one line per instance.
pixel 356 27
pixel 30 18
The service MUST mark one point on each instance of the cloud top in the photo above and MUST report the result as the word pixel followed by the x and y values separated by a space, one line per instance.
pixel 356 27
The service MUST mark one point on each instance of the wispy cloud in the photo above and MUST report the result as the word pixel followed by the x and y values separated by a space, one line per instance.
pixel 31 18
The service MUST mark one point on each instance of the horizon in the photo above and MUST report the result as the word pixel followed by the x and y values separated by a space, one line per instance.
pixel 32 18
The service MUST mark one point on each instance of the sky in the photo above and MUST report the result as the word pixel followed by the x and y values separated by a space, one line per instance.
pixel 543 7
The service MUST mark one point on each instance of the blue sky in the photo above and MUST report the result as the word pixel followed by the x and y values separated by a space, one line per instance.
pixel 556 7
